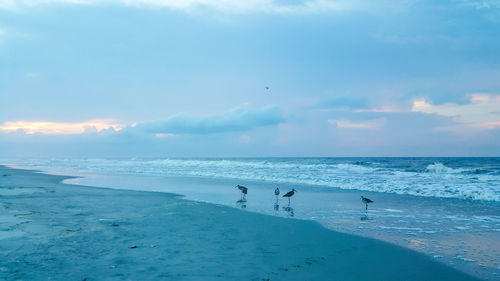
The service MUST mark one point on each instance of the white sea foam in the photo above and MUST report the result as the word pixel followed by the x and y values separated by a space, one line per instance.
pixel 435 179
pixel 439 168
pixel 393 210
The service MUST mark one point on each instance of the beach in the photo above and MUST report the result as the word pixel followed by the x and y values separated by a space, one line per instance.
pixel 55 231
pixel 249 140
pixel 445 208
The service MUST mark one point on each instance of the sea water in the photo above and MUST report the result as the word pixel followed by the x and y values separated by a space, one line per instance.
pixel 462 178
pixel 447 208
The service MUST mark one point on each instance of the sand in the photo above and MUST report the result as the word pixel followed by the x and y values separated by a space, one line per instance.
pixel 54 231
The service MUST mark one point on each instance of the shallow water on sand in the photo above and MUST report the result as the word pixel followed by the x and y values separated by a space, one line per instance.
pixel 460 233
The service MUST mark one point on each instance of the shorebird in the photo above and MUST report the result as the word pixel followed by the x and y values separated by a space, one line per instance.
pixel 366 201
pixel 277 192
pixel 290 194
pixel 244 191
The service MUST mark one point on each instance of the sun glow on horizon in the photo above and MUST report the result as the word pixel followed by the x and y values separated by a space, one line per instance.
pixel 60 128
pixel 481 112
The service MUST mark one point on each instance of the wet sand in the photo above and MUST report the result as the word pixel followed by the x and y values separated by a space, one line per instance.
pixel 54 231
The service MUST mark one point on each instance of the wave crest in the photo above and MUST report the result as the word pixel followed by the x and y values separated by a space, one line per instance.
pixel 440 168
pixel 434 180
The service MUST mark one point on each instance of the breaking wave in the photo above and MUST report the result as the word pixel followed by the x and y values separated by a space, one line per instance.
pixel 420 177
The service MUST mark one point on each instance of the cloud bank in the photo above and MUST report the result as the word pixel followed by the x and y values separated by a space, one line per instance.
pixel 256 6
pixel 236 120
pixel 243 6
pixel 365 124
pixel 59 128
pixel 239 119
pixel 482 111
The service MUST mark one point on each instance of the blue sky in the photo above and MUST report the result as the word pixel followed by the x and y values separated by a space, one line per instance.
pixel 188 78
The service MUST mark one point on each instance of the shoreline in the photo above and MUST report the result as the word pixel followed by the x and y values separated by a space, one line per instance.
pixel 453 231
pixel 254 246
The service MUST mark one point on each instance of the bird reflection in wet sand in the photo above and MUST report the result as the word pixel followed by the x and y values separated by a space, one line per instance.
pixel 241 203
pixel 276 208
pixel 364 217
pixel 289 210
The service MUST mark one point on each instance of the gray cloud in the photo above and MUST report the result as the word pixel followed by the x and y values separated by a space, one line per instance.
pixel 239 119
pixel 342 101
pixel 273 6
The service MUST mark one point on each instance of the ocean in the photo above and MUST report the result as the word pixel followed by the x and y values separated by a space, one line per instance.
pixel 462 178
pixel 446 208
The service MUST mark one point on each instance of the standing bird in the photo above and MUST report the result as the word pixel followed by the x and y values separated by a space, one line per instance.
pixel 244 191
pixel 290 194
pixel 366 201
pixel 277 192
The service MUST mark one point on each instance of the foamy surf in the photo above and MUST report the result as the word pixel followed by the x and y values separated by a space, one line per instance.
pixel 463 178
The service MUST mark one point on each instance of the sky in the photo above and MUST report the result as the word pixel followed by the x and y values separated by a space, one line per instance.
pixel 249 78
